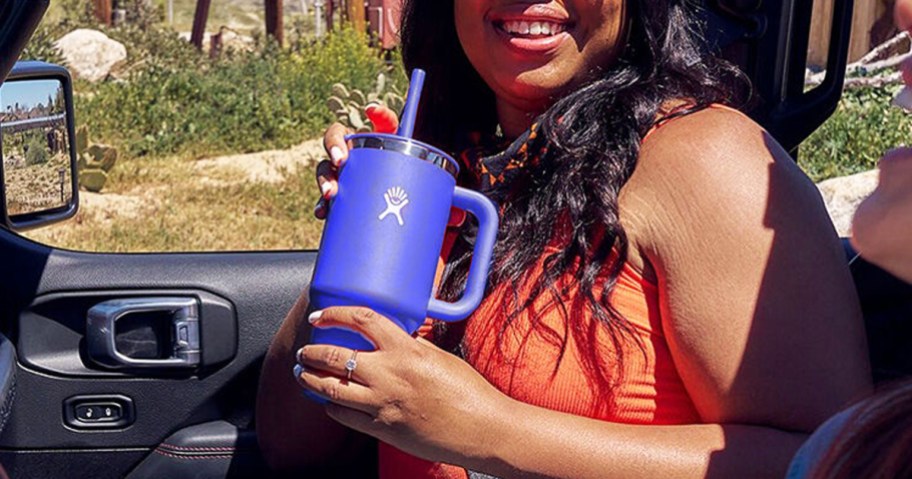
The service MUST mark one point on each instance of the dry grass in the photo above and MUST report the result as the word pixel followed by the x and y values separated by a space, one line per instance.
pixel 36 187
pixel 260 201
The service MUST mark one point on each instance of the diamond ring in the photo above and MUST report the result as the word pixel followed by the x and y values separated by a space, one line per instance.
pixel 351 364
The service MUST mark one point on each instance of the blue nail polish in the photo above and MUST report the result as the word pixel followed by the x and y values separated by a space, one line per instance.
pixel 298 369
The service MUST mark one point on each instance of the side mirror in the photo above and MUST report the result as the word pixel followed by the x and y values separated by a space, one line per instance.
pixel 37 144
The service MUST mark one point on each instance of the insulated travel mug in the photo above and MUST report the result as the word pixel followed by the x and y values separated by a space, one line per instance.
pixel 385 229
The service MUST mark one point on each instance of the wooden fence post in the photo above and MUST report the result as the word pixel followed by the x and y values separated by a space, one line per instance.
pixel 274 24
pixel 864 19
pixel 103 11
pixel 356 15
pixel 867 15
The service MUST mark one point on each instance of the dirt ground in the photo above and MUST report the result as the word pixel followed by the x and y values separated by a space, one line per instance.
pixel 238 202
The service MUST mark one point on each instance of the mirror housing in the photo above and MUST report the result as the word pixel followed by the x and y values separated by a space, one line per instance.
pixel 38 146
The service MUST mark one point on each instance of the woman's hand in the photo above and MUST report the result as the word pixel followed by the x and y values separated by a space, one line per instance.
pixel 407 393
pixel 384 121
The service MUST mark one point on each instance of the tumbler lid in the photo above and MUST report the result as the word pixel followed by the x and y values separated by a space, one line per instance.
pixel 406 146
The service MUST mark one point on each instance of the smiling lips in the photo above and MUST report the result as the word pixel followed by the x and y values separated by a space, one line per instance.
pixel 532 29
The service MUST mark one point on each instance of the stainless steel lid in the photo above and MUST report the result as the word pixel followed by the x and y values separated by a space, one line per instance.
pixel 406 146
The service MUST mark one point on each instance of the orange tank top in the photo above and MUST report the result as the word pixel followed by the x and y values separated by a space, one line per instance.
pixel 523 363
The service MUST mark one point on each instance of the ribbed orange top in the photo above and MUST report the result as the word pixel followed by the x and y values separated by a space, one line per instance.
pixel 522 364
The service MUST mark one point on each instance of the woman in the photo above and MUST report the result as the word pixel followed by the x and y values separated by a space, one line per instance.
pixel 668 296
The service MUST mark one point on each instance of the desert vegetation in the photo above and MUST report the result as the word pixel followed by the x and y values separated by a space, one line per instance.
pixel 216 152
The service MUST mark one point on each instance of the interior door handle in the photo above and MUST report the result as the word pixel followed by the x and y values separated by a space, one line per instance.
pixel 181 315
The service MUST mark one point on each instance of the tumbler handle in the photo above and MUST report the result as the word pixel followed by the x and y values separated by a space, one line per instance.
pixel 483 209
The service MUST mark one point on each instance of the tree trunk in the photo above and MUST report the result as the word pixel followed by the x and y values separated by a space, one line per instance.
pixel 199 22
pixel 274 24
pixel 330 9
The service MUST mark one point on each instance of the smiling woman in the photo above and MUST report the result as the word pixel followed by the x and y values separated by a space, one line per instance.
pixel 529 53
pixel 667 291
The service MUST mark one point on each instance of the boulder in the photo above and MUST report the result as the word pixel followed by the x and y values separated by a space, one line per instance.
pixel 90 54
pixel 843 195
pixel 232 41
pixel 224 40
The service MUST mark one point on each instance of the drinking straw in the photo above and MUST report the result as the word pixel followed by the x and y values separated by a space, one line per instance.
pixel 407 125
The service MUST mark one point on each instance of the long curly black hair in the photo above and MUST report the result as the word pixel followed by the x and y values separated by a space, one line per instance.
pixel 569 199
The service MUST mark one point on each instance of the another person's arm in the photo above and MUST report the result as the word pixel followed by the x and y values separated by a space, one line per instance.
pixel 882 227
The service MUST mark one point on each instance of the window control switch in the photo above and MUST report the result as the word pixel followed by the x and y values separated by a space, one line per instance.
pixel 98 412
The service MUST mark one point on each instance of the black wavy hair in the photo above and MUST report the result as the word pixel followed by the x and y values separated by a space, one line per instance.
pixel 570 198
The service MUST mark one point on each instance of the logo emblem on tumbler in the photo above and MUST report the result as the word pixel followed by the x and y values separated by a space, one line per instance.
pixel 396 199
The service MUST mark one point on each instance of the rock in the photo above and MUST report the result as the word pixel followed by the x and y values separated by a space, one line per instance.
pixel 843 195
pixel 90 54
pixel 232 41
pixel 226 40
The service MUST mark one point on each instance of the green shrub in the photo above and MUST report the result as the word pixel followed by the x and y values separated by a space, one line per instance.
pixel 36 152
pixel 269 98
pixel 863 127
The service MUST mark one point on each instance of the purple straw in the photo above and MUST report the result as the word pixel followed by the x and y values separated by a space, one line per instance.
pixel 407 124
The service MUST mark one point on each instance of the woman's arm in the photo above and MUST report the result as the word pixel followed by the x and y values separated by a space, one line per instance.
pixel 758 309
pixel 758 304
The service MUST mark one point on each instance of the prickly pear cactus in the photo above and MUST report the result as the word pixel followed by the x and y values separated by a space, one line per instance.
pixel 348 104
pixel 93 180
pixel 93 161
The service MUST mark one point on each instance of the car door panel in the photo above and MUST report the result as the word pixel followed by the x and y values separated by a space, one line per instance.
pixel 56 287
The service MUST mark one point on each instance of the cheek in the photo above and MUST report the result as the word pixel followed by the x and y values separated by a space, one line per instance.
pixel 469 30
pixel 469 21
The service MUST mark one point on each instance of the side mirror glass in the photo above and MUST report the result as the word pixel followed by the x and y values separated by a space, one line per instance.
pixel 37 147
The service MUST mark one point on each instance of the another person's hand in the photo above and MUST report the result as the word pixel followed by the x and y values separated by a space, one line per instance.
pixel 407 393
pixel 384 121
pixel 882 228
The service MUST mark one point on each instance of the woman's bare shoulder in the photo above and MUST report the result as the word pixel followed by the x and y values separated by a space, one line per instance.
pixel 712 143
pixel 716 161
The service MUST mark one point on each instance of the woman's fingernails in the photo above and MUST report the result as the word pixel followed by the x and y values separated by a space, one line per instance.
pixel 325 188
pixel 315 316
pixel 337 155
pixel 298 370
pixel 319 208
pixel 299 355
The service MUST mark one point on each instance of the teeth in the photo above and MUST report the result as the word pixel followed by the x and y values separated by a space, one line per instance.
pixel 533 28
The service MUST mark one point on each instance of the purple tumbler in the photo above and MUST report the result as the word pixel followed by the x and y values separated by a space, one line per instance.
pixel 384 232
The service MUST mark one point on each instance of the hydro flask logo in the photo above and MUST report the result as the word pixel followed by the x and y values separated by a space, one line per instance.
pixel 396 199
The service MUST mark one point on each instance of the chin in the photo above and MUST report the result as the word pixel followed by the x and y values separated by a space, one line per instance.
pixel 533 89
